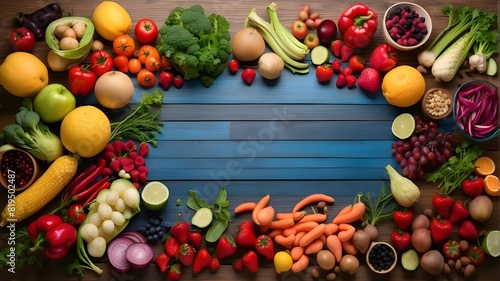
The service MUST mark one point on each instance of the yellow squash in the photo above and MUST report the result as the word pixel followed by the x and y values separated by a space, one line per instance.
pixel 111 20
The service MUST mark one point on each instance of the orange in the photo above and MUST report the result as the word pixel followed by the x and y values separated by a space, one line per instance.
pixel 492 185
pixel 403 86
pixel 484 166
pixel 86 131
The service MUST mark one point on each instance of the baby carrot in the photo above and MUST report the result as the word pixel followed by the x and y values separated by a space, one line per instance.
pixel 334 244
pixel 305 226
pixel 346 231
pixel 259 206
pixel 285 241
pixel 298 236
pixel 296 253
pixel 331 228
pixel 313 217
pixel 345 210
pixel 349 247
pixel 275 232
pixel 244 207
pixel 313 198
pixel 313 234
pixel 358 209
pixel 263 228
pixel 296 216
pixel 314 247
pixel 301 264
pixel 266 215
pixel 282 224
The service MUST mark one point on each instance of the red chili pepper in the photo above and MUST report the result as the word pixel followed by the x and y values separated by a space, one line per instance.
pixel 93 195
pixel 50 233
pixel 81 80
pixel 75 180
pixel 101 163
pixel 357 24
pixel 88 191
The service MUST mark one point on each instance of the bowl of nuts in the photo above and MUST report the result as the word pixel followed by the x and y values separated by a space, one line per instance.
pixel 437 103
pixel 18 168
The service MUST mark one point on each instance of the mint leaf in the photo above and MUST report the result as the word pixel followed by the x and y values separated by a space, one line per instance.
pixel 216 230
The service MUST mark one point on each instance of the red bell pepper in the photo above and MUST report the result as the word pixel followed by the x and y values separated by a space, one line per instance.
pixel 50 233
pixel 357 24
pixel 81 80
pixel 384 57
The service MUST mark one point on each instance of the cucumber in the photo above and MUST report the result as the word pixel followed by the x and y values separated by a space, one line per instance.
pixel 320 55
pixel 491 67
pixel 410 260
pixel 202 218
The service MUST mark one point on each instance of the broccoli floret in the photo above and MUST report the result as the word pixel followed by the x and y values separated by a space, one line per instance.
pixel 195 21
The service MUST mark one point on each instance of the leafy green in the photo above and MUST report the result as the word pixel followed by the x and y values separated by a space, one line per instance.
pixel 456 169
pixel 31 134
pixel 378 208
pixel 198 45
pixel 143 122
pixel 219 211
pixel 22 250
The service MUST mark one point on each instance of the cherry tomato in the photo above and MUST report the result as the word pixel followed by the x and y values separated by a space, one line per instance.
pixel 124 45
pixel 146 78
pixel 121 62
pixel 146 51
pixel 165 63
pixel 146 31
pixel 134 66
pixel 76 214
pixel 152 63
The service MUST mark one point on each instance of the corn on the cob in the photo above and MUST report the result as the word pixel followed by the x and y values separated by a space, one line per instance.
pixel 42 191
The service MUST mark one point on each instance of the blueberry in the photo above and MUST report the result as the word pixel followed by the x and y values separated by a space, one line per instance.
pixel 407 8
pixel 168 225
pixel 160 234
pixel 152 230
pixel 422 19
pixel 142 229
pixel 156 222
pixel 148 226
pixel 158 229
pixel 160 217
pixel 155 237
pixel 398 11
pixel 151 221
pixel 149 238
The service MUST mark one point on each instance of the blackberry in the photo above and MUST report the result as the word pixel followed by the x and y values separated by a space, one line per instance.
pixel 381 257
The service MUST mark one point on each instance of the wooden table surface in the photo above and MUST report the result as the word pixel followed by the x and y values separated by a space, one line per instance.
pixel 288 139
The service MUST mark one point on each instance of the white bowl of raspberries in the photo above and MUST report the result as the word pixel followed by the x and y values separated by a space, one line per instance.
pixel 407 26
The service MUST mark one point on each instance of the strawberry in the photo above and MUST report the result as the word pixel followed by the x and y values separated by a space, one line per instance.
pixel 214 264
pixel 440 229
pixel 233 66
pixel 458 212
pixel 225 247
pixel 357 63
pixel 178 81
pixel 346 53
pixel 468 231
pixel 186 254
pixel 180 231
pixel 246 235
pixel 347 71
pixel 351 81
pixel 341 81
pixel 175 272
pixel 451 249
pixel 335 46
pixel 248 75
pixel 250 260
pixel 264 245
pixel 143 149
pixel 337 66
pixel 473 186
pixel 442 204
pixel 201 260
pixel 165 79
pixel 195 238
pixel 324 73
pixel 238 265
pixel 172 247
pixel 162 262
pixel 403 218
pixel 401 240
pixel 369 80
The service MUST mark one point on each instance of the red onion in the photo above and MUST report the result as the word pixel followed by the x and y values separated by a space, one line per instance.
pixel 135 236
pixel 116 253
pixel 139 255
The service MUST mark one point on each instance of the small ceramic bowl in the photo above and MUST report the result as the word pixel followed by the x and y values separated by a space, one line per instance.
pixel 436 103
pixel 375 255
pixel 422 13
pixel 14 161
pixel 458 111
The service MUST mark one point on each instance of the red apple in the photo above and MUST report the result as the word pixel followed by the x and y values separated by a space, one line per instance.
pixel 299 29
pixel 311 40
pixel 327 31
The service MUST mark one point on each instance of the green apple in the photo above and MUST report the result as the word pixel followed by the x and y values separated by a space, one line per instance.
pixel 53 102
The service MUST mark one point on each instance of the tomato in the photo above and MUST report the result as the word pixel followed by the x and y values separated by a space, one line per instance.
pixel 121 62
pixel 100 62
pixel 146 51
pixel 134 66
pixel 146 31
pixel 124 45
pixel 165 62
pixel 152 63
pixel 22 39
pixel 146 78
pixel 476 254
pixel 76 214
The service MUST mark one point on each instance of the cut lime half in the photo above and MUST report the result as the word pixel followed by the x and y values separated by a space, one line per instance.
pixel 320 55
pixel 403 126
pixel 155 195
pixel 491 243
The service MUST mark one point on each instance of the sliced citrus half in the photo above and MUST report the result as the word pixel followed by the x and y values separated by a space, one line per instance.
pixel 403 126
pixel 492 185
pixel 491 243
pixel 155 195
pixel 484 166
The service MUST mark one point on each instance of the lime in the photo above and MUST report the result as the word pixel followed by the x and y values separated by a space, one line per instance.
pixel 282 261
pixel 155 195
pixel 320 55
pixel 403 126
pixel 491 243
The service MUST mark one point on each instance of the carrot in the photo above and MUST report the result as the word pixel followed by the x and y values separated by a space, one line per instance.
pixel 314 247
pixel 244 207
pixel 305 226
pixel 313 234
pixel 296 252
pixel 358 209
pixel 349 247
pixel 285 241
pixel 275 232
pixel 300 264
pixel 345 210
pixel 259 206
pixel 282 224
pixel 298 236
pixel 334 244
pixel 346 231
pixel 313 217
pixel 263 228
pixel 266 215
pixel 322 238
pixel 317 197
pixel 331 228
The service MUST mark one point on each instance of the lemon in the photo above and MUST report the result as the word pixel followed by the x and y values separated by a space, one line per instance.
pixel 403 86
pixel 23 74
pixel 403 126
pixel 111 20
pixel 282 261
pixel 155 195
pixel 491 243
